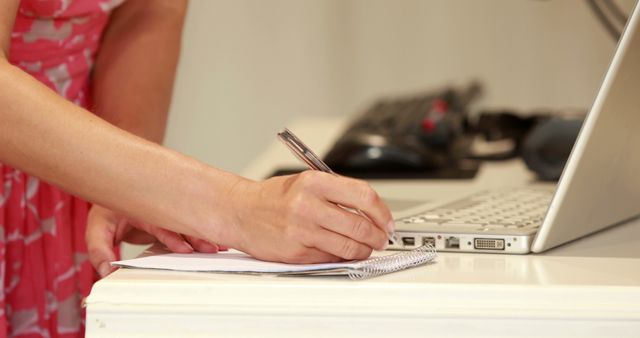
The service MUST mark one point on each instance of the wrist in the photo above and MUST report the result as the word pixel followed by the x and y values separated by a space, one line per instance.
pixel 235 209
pixel 217 202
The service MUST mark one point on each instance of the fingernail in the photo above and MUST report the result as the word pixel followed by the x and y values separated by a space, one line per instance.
pixel 104 269
pixel 391 226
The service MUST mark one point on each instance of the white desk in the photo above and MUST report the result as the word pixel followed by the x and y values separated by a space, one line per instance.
pixel 590 287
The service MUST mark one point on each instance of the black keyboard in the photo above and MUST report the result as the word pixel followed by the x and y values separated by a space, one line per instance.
pixel 402 136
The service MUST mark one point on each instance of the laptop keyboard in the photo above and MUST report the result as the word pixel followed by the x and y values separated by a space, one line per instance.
pixel 519 208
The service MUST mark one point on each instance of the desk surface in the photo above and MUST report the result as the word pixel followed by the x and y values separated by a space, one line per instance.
pixel 590 287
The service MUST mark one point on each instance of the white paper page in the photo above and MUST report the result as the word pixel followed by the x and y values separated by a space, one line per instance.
pixel 229 261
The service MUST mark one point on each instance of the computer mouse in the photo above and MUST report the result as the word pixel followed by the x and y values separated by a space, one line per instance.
pixel 366 151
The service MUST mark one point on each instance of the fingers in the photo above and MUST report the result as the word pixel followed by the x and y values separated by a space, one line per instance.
pixel 178 243
pixel 170 239
pixel 352 193
pixel 313 255
pixel 353 226
pixel 138 237
pixel 341 246
pixel 100 237
pixel 201 245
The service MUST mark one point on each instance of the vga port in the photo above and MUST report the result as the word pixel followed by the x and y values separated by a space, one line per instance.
pixel 488 243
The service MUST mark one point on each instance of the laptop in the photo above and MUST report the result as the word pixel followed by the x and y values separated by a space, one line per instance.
pixel 599 187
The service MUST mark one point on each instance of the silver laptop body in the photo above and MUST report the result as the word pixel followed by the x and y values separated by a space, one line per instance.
pixel 599 187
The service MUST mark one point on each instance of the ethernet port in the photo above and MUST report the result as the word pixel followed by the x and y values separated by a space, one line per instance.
pixel 452 243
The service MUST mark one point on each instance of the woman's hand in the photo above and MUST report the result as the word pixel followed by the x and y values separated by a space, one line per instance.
pixel 296 219
pixel 107 229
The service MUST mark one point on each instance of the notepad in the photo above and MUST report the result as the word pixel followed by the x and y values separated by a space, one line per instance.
pixel 238 262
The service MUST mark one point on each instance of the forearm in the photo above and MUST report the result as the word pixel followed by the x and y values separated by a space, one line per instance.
pixel 135 68
pixel 49 137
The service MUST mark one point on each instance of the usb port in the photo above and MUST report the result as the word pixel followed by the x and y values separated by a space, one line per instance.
pixel 408 241
pixel 452 243
pixel 429 241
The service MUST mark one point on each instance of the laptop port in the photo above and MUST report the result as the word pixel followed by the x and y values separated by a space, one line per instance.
pixel 429 241
pixel 488 244
pixel 408 241
pixel 452 243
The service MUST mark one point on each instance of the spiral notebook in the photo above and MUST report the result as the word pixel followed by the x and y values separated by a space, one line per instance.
pixel 238 262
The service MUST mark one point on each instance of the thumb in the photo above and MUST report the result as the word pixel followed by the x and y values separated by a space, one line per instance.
pixel 100 238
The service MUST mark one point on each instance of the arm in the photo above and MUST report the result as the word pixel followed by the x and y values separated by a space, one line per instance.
pixel 138 54
pixel 51 138
pixel 290 219
pixel 8 12
pixel 47 136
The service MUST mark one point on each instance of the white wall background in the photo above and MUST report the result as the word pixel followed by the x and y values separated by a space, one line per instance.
pixel 249 66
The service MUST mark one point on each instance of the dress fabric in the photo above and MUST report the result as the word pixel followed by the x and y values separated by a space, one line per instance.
pixel 44 264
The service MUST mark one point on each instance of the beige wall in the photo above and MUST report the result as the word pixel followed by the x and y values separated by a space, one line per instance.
pixel 250 66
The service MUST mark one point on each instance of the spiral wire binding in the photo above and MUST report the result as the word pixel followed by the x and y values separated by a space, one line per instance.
pixel 386 264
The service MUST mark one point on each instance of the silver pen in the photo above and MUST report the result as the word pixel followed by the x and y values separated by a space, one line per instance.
pixel 306 155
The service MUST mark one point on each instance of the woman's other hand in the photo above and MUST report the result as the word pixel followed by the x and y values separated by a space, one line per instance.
pixel 107 229
pixel 296 219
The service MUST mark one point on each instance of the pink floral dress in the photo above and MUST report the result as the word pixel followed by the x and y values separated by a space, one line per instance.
pixel 43 256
